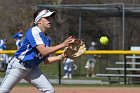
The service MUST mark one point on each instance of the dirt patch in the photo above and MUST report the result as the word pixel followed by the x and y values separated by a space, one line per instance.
pixel 80 90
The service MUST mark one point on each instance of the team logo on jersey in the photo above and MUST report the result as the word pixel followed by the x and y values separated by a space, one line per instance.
pixel 38 55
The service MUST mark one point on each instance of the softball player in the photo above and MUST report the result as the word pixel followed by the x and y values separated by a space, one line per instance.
pixel 68 65
pixel 91 60
pixel 34 50
pixel 18 38
pixel 3 57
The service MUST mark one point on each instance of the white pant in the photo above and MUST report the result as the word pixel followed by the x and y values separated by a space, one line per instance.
pixel 16 71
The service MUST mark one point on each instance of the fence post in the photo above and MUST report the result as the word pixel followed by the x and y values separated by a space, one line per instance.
pixel 125 69
pixel 59 69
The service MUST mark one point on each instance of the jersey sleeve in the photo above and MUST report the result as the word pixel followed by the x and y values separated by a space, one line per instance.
pixel 34 38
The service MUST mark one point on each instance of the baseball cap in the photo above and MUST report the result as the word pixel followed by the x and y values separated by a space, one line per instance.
pixel 18 35
pixel 44 13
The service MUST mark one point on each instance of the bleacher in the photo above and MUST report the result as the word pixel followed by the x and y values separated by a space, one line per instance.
pixel 131 66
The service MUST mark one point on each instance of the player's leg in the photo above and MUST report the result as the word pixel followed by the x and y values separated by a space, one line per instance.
pixel 70 69
pixel 87 66
pixel 13 76
pixel 93 69
pixel 65 70
pixel 9 81
pixel 37 78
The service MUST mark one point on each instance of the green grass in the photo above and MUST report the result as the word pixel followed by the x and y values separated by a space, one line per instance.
pixel 2 74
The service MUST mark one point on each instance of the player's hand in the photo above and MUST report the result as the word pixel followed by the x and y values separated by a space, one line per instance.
pixel 68 41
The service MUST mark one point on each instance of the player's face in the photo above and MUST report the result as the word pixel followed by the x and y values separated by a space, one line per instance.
pixel 46 22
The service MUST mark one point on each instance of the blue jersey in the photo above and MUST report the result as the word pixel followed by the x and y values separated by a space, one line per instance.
pixel 28 52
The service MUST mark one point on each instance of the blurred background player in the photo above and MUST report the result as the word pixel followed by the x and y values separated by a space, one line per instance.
pixel 68 66
pixel 3 57
pixel 91 60
pixel 3 44
pixel 18 37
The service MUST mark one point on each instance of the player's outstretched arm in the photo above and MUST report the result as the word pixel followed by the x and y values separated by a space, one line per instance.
pixel 53 59
pixel 47 50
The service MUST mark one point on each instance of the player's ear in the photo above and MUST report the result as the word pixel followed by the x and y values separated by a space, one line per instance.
pixel 39 21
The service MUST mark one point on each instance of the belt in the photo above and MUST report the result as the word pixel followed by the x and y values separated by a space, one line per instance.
pixel 24 63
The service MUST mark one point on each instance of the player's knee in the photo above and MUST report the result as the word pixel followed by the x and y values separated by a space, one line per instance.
pixel 4 90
